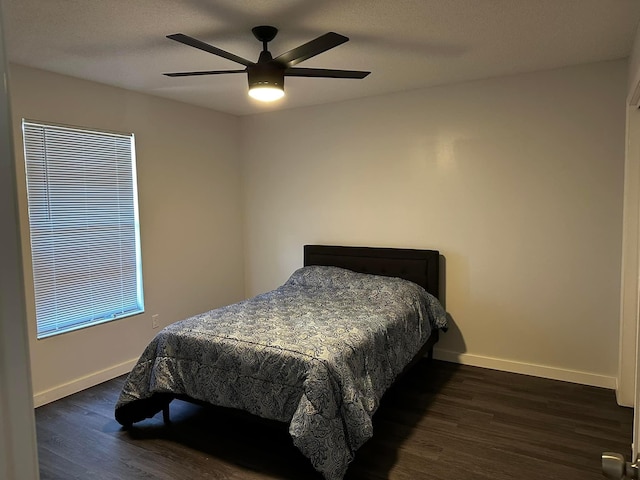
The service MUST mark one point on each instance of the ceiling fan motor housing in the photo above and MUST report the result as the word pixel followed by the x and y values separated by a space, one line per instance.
pixel 268 74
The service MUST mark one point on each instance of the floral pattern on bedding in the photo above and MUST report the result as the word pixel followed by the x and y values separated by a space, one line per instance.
pixel 317 352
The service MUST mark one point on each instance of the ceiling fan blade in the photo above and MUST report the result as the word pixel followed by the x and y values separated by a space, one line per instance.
pixel 311 49
pixel 324 73
pixel 206 72
pixel 194 42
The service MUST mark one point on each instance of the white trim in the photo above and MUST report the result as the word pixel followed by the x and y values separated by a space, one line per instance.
pixel 573 376
pixel 629 263
pixel 634 99
pixel 82 383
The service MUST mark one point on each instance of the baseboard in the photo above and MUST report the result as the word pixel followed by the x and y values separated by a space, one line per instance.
pixel 624 397
pixel 82 383
pixel 573 376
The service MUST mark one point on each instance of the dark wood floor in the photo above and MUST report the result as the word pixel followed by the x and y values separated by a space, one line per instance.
pixel 441 421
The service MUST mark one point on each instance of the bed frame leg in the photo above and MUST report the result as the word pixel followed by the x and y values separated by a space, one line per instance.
pixel 165 414
pixel 430 354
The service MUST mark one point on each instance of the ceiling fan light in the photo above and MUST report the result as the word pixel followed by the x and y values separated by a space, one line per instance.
pixel 266 80
pixel 266 93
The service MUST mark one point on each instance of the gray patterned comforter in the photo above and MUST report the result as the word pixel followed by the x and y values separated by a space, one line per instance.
pixel 317 352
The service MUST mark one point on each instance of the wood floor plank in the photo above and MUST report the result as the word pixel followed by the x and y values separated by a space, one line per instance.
pixel 441 421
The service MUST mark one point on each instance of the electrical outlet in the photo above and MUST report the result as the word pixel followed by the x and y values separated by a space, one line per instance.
pixel 155 321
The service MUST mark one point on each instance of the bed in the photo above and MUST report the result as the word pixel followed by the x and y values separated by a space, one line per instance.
pixel 317 353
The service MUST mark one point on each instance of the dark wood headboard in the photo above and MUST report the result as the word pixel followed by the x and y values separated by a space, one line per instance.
pixel 419 266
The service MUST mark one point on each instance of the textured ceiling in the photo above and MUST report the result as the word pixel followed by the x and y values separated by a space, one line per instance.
pixel 406 44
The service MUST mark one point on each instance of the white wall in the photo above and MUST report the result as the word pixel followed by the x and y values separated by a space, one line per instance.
pixel 190 219
pixel 518 181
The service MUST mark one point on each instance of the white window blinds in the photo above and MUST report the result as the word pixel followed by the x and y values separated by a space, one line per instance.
pixel 83 218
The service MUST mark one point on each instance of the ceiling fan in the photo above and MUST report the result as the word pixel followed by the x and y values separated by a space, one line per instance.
pixel 266 76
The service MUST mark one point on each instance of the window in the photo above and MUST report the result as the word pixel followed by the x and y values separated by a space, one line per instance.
pixel 83 219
